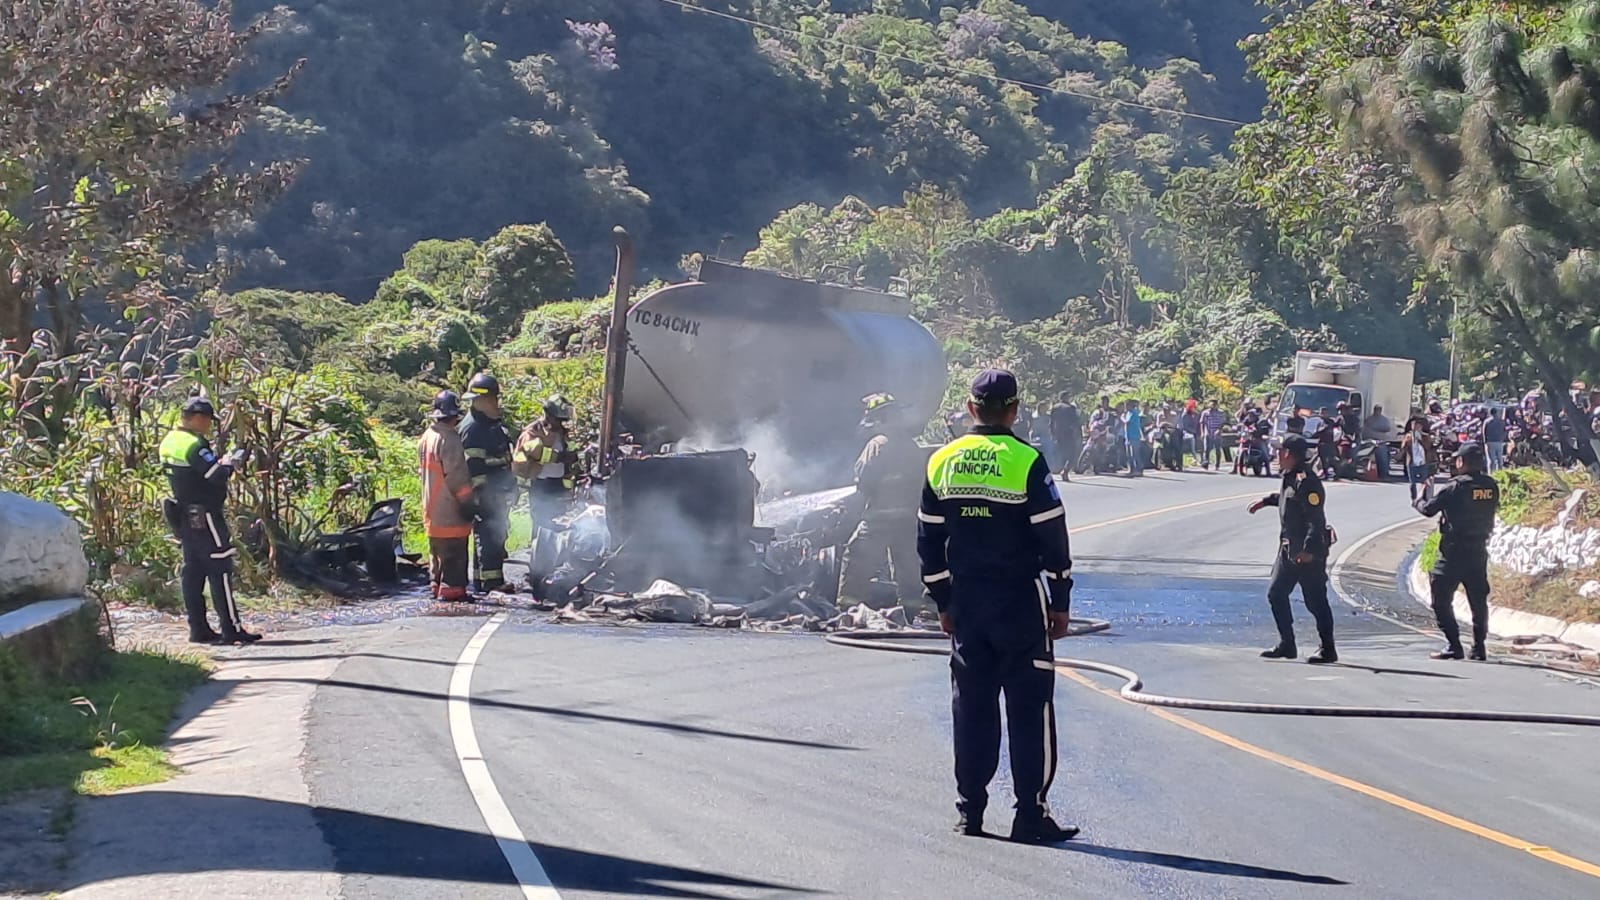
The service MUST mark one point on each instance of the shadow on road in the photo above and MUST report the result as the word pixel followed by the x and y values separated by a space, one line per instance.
pixel 1381 670
pixel 1198 864
pixel 389 656
pixel 372 845
pixel 557 711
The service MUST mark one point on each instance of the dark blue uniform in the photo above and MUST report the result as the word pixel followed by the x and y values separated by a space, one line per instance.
pixel 1302 529
pixel 1466 507
pixel 992 538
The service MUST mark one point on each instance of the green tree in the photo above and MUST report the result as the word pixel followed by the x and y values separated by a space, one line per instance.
pixel 116 128
pixel 1500 141
pixel 519 268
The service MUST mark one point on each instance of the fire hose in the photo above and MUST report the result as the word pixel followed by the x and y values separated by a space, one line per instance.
pixel 920 641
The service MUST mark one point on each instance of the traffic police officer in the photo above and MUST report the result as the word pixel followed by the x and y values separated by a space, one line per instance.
pixel 889 478
pixel 990 524
pixel 1466 507
pixel 199 481
pixel 1303 541
pixel 488 448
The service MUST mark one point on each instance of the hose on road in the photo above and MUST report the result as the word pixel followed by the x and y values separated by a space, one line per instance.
pixel 921 641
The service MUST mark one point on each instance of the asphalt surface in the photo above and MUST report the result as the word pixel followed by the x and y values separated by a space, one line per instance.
pixel 675 762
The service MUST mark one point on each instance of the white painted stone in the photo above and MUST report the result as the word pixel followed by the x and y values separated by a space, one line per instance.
pixel 37 615
pixel 1589 590
pixel 41 552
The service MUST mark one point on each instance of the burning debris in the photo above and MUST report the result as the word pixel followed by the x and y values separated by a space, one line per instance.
pixel 674 539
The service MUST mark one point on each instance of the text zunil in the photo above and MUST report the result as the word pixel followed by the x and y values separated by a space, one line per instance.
pixel 979 461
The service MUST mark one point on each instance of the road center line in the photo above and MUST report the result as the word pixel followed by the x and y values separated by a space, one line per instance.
pixel 1412 806
pixel 525 866
pixel 1163 511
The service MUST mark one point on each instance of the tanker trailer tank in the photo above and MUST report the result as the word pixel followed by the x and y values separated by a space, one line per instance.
pixel 776 365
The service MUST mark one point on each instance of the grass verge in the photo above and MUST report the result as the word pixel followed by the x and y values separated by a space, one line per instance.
pixel 98 736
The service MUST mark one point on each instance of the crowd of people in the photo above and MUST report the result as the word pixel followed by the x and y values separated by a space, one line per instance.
pixel 1128 437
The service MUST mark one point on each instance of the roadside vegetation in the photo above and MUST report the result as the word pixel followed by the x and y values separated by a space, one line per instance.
pixel 94 736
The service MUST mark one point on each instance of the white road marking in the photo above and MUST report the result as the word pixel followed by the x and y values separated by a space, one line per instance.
pixel 525 865
pixel 1337 575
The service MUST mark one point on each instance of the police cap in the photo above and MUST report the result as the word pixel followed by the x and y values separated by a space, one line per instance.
pixel 1297 446
pixel 1471 451
pixel 199 406
pixel 995 388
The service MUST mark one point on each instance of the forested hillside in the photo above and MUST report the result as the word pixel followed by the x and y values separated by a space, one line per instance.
pixel 322 212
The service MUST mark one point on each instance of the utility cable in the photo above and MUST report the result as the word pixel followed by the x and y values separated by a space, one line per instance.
pixel 919 641
pixel 947 67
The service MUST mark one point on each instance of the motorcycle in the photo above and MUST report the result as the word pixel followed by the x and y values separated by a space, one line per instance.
pixel 1098 454
pixel 1251 456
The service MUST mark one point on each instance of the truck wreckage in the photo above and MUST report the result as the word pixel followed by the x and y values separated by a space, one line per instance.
pixel 751 382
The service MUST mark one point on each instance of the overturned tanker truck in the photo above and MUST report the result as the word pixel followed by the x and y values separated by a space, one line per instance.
pixel 750 383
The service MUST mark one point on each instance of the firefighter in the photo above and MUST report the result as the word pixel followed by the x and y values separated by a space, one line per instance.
pixel 991 521
pixel 447 498
pixel 542 463
pixel 488 449
pixel 1466 507
pixel 1302 558
pixel 199 480
pixel 889 477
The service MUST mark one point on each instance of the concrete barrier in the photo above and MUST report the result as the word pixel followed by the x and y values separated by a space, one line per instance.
pixel 45 622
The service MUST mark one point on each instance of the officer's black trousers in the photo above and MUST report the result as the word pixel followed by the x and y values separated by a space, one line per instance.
pixel 1468 569
pixel 1002 645
pixel 207 557
pixel 489 532
pixel 1312 579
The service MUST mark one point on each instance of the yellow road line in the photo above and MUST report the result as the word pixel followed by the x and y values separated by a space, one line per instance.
pixel 1412 806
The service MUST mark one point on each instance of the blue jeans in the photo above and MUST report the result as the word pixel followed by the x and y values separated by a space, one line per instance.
pixel 1497 455
pixel 1417 475
pixel 1381 451
pixel 1135 456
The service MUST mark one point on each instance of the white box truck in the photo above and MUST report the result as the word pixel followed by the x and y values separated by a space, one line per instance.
pixel 1324 380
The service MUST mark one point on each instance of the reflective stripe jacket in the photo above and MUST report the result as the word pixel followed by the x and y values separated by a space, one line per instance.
pixel 536 455
pixel 889 475
pixel 488 449
pixel 991 512
pixel 195 473
pixel 446 484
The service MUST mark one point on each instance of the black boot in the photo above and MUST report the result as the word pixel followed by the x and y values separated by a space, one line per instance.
pixel 1479 653
pixel 1451 651
pixel 237 636
pixel 970 824
pixel 203 637
pixel 1284 650
pixel 1324 656
pixel 1040 829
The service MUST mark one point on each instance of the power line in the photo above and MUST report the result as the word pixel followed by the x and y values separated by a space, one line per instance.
pixel 947 67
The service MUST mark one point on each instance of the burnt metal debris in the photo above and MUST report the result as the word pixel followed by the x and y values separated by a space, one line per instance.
pixel 681 538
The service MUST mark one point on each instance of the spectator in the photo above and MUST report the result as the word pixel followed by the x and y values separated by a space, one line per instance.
pixel 1417 450
pixel 1494 439
pixel 1211 444
pixel 1190 421
pixel 1313 423
pixel 1133 433
pixel 1067 430
pixel 1043 438
pixel 1379 429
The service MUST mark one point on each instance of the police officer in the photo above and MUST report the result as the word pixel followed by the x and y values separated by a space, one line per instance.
pixel 991 521
pixel 889 475
pixel 1302 551
pixel 199 481
pixel 1466 507
pixel 488 448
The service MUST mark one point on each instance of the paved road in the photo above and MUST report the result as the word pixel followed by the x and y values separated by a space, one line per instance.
pixel 675 762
